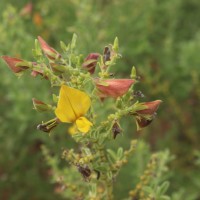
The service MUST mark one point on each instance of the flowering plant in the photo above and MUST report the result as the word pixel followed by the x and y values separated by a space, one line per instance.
pixel 83 85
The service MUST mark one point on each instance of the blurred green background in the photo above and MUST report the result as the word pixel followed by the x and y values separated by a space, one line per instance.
pixel 161 38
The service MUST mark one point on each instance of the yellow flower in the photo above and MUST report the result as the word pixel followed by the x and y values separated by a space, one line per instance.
pixel 72 106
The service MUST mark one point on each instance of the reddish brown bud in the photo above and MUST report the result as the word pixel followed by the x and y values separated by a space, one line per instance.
pixel 27 9
pixel 50 52
pixel 146 115
pixel 151 107
pixel 90 62
pixel 40 106
pixel 13 64
pixel 113 87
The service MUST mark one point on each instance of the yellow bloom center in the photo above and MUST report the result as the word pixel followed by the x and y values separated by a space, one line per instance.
pixel 83 124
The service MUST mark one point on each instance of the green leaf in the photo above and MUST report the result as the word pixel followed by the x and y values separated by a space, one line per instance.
pixel 112 154
pixel 102 168
pixel 148 189
pixel 73 42
pixel 37 51
pixel 93 189
pixel 116 45
pixel 109 175
pixel 164 187
pixel 164 198
pixel 120 153
pixel 86 151
pixel 55 98
pixel 63 46
pixel 103 83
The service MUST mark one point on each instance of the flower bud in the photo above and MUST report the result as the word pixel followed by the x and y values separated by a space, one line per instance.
pixel 106 54
pixel 15 64
pixel 58 69
pixel 40 106
pixel 151 107
pixel 27 9
pixel 50 52
pixel 113 87
pixel 146 115
pixel 90 62
pixel 37 19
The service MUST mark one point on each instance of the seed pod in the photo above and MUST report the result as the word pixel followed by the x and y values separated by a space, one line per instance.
pixel 85 171
pixel 116 129
pixel 48 126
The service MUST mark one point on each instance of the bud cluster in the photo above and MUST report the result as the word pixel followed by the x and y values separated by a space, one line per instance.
pixel 82 86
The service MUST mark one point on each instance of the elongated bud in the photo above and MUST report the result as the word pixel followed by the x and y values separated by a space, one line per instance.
pixel 116 129
pixel 27 9
pixel 58 69
pixel 90 62
pixel 113 87
pixel 37 19
pixel 48 126
pixel 50 52
pixel 116 45
pixel 151 107
pixel 106 54
pixel 15 64
pixel 40 106
pixel 133 73
pixel 146 113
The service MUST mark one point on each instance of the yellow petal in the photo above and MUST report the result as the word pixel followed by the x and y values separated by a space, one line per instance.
pixel 64 110
pixel 72 129
pixel 72 104
pixel 83 124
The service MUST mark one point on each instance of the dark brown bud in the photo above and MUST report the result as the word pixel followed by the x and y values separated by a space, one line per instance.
pixel 116 129
pixel 90 62
pixel 106 54
pixel 143 122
